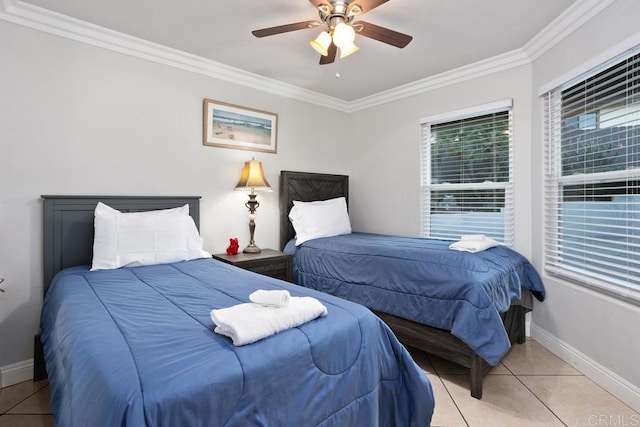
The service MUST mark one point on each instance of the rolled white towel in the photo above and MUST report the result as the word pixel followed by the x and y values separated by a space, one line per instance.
pixel 473 243
pixel 276 298
pixel 247 323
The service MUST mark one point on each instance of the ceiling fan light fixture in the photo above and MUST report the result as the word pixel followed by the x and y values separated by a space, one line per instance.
pixel 348 50
pixel 321 43
pixel 343 35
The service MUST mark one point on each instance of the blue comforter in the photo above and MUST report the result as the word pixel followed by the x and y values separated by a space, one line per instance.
pixel 424 281
pixel 135 347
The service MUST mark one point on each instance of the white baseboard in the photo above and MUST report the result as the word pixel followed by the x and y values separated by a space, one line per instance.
pixel 16 373
pixel 605 378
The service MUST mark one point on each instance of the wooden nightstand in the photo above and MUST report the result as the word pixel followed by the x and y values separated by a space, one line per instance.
pixel 268 262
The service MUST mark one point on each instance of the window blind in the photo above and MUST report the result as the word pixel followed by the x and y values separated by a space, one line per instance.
pixel 467 176
pixel 592 182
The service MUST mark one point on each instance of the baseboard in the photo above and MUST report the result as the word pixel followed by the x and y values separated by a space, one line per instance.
pixel 16 373
pixel 605 378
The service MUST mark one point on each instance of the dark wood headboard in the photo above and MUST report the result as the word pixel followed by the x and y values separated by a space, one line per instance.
pixel 68 225
pixel 307 187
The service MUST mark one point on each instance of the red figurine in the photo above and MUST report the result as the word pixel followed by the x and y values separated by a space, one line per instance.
pixel 233 247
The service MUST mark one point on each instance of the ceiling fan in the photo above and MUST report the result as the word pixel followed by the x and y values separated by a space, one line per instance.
pixel 339 29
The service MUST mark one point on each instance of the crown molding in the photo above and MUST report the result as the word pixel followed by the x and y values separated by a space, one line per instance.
pixel 28 15
pixel 38 18
pixel 492 65
pixel 566 23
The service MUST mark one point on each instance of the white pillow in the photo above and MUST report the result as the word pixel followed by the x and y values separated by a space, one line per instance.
pixel 144 238
pixel 313 220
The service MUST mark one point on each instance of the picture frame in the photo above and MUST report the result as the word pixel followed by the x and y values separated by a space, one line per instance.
pixel 233 126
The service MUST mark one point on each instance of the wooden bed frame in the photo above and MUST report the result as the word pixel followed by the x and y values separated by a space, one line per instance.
pixel 68 236
pixel 308 187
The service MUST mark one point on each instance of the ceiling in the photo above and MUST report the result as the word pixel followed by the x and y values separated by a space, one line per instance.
pixel 447 34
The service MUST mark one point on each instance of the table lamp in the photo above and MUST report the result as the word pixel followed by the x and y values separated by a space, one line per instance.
pixel 252 179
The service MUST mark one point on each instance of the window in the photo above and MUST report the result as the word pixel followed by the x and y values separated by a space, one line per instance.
pixel 467 173
pixel 592 186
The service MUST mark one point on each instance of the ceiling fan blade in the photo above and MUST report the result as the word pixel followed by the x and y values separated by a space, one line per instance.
pixel 364 5
pixel 382 34
pixel 318 3
pixel 331 55
pixel 285 28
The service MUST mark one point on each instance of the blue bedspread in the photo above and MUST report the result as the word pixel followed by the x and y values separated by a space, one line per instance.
pixel 422 280
pixel 135 347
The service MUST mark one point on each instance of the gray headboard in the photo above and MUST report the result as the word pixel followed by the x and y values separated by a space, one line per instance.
pixel 307 187
pixel 68 225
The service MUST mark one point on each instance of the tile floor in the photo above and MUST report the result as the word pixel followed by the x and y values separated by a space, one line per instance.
pixel 530 387
pixel 25 405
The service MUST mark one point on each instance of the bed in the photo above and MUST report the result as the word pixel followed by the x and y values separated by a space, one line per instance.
pixel 134 345
pixel 466 308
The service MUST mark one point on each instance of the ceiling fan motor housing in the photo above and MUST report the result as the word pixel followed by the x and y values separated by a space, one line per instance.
pixel 341 12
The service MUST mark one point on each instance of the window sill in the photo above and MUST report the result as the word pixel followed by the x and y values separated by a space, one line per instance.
pixel 631 296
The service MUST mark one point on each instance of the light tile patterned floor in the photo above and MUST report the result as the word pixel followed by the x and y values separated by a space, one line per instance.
pixel 530 387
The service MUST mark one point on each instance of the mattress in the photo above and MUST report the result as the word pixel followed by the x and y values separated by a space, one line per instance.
pixel 135 347
pixel 422 280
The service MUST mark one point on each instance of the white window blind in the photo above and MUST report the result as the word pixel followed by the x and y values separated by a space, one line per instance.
pixel 467 174
pixel 592 185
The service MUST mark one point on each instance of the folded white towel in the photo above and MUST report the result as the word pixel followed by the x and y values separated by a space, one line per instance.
pixel 473 237
pixel 277 298
pixel 247 323
pixel 473 243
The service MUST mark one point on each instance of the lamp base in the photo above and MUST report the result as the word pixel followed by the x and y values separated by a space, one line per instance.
pixel 252 249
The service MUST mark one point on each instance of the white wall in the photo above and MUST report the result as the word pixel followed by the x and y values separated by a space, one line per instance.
pixel 604 329
pixel 598 334
pixel 77 119
pixel 385 153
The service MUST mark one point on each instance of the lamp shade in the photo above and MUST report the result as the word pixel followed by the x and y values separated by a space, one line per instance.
pixel 347 49
pixel 322 43
pixel 343 35
pixel 253 178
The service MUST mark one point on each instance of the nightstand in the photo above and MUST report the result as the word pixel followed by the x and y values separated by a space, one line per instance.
pixel 268 262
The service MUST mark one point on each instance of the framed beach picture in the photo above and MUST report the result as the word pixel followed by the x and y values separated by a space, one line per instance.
pixel 233 126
